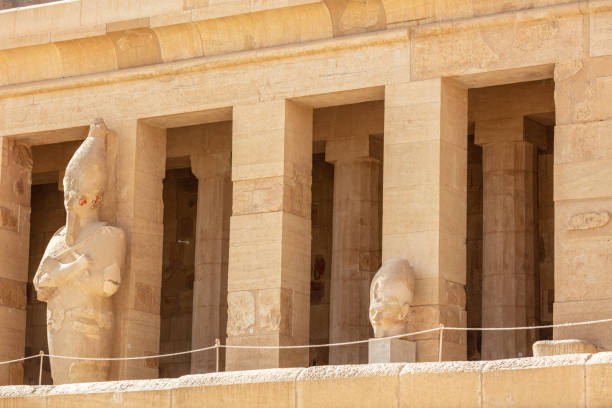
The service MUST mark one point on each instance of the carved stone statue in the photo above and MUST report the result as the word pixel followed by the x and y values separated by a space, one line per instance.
pixel 81 269
pixel 391 294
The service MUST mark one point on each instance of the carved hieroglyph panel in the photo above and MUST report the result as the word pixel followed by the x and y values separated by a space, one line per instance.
pixel 8 219
pixel 240 313
pixel 274 310
pixel 589 221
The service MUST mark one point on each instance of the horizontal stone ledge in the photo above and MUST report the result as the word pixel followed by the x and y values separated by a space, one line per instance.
pixel 208 63
pixel 566 380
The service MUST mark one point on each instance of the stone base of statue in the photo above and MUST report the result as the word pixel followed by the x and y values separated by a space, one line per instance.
pixel 391 351
pixel 558 347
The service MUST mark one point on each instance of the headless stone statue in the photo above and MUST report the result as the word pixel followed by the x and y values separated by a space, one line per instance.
pixel 391 294
pixel 81 269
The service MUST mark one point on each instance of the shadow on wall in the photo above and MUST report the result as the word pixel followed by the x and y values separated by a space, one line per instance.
pixel 9 4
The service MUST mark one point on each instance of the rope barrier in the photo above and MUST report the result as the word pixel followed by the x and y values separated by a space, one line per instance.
pixel 440 344
pixel 180 353
pixel 546 326
pixel 346 343
pixel 218 345
pixel 19 359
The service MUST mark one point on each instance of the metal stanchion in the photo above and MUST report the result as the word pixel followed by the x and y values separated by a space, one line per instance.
pixel 42 356
pixel 441 341
pixel 217 344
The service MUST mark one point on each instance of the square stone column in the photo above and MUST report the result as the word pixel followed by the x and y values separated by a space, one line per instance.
pixel 583 199
pixel 15 191
pixel 355 243
pixel 509 154
pixel 136 205
pixel 424 204
pixel 269 258
pixel 213 170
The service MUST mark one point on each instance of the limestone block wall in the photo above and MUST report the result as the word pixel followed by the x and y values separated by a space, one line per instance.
pixel 424 214
pixel 575 380
pixel 59 33
pixel 15 191
pixel 70 19
pixel 180 210
pixel 582 194
pixel 150 44
pixel 270 233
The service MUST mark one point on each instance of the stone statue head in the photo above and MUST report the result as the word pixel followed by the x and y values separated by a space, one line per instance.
pixel 85 180
pixel 391 294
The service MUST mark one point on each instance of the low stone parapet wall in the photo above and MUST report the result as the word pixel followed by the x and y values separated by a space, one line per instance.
pixel 576 380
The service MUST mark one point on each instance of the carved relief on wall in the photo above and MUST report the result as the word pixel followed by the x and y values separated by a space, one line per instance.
pixel 589 220
pixel 317 280
pixel 241 313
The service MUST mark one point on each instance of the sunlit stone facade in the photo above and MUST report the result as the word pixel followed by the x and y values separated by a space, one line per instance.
pixel 266 157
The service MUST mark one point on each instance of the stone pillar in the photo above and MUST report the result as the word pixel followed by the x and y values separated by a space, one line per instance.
pixel 509 155
pixel 15 190
pixel 424 203
pixel 269 255
pixel 213 171
pixel 138 209
pixel 583 199
pixel 356 242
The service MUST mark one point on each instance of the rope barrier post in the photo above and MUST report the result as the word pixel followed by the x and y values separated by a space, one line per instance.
pixel 441 342
pixel 42 356
pixel 217 344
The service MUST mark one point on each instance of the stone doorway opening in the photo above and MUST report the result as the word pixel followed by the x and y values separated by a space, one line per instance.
pixel 510 217
pixel 180 192
pixel 197 194
pixel 346 227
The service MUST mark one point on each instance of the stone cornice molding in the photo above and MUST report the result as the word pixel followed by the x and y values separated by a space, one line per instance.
pixel 196 41
pixel 208 63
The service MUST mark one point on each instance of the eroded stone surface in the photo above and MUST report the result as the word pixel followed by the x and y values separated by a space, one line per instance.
pixel 496 383
pixel 350 370
pixel 241 317
pixel 559 347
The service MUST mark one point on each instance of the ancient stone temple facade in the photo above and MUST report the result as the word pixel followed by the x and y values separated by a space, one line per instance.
pixel 265 158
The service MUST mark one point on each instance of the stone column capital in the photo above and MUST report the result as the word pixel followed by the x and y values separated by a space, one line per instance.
pixel 354 148
pixel 517 129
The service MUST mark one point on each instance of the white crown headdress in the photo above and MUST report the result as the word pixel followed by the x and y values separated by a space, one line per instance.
pixel 86 171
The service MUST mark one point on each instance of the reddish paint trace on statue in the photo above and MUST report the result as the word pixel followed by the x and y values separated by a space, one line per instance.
pixel 96 202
